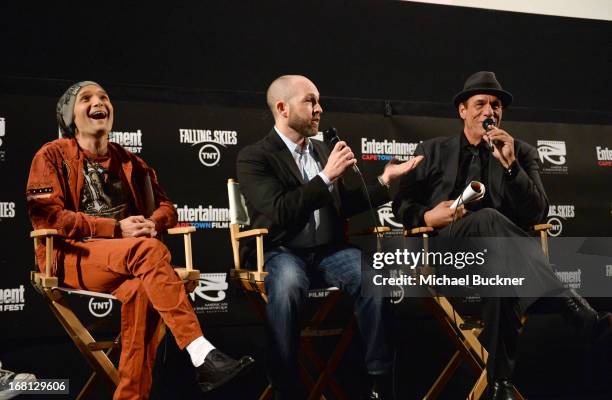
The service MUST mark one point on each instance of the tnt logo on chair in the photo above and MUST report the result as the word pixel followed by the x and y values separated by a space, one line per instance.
pixel 203 217
pixel 12 299
pixel 211 289
pixel 552 155
pixel 100 307
pixel 212 143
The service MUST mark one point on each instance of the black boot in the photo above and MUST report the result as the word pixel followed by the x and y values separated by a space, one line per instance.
pixel 500 389
pixel 589 323
pixel 218 368
pixel 381 388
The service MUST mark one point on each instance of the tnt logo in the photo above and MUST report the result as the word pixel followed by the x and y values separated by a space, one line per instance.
pixel 209 155
pixel 100 308
pixel 557 227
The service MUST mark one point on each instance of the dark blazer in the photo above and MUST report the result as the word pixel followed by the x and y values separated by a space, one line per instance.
pixel 521 199
pixel 278 199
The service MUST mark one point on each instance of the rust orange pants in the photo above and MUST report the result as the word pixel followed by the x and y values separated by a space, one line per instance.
pixel 138 272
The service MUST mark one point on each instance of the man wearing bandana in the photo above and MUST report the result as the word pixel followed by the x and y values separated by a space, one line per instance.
pixel 93 193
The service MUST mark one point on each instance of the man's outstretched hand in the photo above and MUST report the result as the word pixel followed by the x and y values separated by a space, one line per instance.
pixel 395 169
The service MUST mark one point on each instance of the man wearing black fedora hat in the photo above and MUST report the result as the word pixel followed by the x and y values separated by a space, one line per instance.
pixel 514 199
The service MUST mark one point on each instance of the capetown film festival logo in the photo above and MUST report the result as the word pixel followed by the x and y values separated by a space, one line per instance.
pixel 553 156
pixel 211 289
pixel 385 150
pixel 131 141
pixel 210 142
pixel 604 156
pixel 203 217
pixel 557 215
pixel 387 218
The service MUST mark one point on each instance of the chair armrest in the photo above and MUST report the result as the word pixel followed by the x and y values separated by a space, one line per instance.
pixel 251 233
pixel 181 230
pixel 541 227
pixel 43 232
pixel 418 231
pixel 186 231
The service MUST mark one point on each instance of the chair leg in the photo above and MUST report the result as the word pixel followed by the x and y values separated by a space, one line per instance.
pixel 94 378
pixel 479 387
pixel 98 360
pixel 440 383
pixel 325 378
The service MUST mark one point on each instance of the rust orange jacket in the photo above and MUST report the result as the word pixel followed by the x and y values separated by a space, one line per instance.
pixel 54 191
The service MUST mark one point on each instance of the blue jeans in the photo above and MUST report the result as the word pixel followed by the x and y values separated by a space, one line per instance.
pixel 290 273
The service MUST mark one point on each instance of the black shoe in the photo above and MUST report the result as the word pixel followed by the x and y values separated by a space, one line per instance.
pixel 500 389
pixel 218 368
pixel 381 388
pixel 589 323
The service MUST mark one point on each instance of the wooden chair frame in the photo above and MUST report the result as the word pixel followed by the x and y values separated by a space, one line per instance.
pixel 463 333
pixel 97 353
pixel 253 283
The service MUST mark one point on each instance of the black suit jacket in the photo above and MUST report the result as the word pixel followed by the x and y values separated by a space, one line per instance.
pixel 278 199
pixel 521 199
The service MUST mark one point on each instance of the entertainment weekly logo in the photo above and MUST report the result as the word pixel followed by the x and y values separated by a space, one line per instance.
pixel 203 217
pixel 570 279
pixel 557 215
pixel 212 291
pixel 211 143
pixel 131 141
pixel 385 150
pixel 604 156
pixel 552 155
pixel 12 299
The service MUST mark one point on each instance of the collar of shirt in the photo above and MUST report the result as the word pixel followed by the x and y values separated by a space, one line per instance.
pixel 293 147
pixel 467 146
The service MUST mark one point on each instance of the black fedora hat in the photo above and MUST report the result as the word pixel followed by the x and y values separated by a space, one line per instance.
pixel 483 82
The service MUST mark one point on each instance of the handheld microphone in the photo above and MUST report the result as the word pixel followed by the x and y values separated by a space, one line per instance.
pixel 330 136
pixel 486 124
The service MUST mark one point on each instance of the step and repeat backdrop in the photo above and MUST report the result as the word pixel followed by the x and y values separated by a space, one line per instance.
pixel 194 148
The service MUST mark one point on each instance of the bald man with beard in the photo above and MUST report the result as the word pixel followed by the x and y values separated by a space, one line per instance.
pixel 293 188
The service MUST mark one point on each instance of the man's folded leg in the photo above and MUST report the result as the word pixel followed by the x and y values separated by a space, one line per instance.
pixel 104 265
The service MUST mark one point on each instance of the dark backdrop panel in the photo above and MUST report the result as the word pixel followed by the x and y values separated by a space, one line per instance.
pixel 193 149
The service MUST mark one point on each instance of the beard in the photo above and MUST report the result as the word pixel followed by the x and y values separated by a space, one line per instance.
pixel 303 126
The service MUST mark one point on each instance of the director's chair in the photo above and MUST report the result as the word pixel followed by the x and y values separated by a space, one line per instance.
pixel 463 332
pixel 252 281
pixel 97 353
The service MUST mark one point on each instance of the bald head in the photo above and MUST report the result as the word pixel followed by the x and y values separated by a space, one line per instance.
pixel 283 89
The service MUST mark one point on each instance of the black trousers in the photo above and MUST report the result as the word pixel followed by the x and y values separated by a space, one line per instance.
pixel 502 315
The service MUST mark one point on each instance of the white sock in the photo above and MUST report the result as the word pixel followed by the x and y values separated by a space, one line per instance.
pixel 198 350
